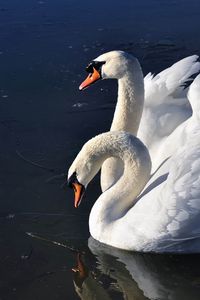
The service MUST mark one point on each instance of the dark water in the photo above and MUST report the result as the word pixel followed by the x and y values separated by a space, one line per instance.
pixel 44 120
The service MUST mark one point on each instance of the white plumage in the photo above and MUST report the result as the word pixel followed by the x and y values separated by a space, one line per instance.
pixel 165 216
pixel 150 109
pixel 166 105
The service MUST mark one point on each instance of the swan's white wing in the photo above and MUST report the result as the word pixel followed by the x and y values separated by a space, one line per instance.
pixel 183 184
pixel 169 80
pixel 168 215
pixel 170 144
pixel 180 197
pixel 166 103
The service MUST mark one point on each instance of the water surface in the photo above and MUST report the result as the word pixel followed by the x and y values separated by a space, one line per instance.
pixel 44 120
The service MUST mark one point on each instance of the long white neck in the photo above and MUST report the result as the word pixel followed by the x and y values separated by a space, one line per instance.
pixel 130 100
pixel 117 200
pixel 127 117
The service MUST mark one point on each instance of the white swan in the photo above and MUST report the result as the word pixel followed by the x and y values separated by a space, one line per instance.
pixel 165 106
pixel 165 217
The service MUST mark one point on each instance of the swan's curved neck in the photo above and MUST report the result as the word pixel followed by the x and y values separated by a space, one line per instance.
pixel 117 200
pixel 130 100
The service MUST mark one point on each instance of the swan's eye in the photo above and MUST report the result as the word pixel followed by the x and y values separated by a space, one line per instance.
pixel 94 64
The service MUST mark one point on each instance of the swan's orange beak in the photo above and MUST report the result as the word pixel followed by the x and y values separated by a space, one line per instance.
pixel 92 78
pixel 78 188
pixel 78 193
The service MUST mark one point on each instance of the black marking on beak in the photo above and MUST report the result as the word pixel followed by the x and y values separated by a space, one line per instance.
pixel 95 64
pixel 72 179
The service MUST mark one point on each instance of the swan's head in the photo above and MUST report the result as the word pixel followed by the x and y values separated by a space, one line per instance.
pixel 113 65
pixel 85 166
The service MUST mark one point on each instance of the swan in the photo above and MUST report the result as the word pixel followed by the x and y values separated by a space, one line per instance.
pixel 143 212
pixel 154 119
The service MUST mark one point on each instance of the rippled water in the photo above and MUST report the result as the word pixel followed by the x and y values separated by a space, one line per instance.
pixel 44 120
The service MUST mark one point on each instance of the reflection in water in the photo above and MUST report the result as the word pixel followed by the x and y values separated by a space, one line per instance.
pixel 126 275
pixel 85 283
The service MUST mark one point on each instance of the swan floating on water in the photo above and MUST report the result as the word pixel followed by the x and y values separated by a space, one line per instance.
pixel 150 108
pixel 138 211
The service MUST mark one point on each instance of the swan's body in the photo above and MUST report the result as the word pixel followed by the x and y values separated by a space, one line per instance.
pixel 165 217
pixel 154 119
